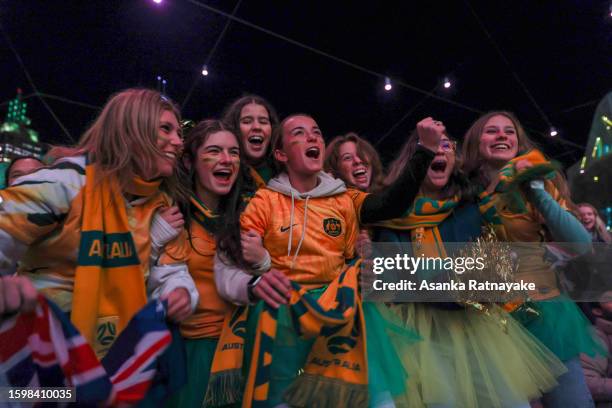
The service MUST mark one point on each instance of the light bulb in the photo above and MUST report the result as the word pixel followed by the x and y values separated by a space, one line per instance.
pixel 388 85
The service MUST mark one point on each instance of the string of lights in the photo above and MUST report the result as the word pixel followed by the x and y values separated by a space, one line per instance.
pixel 67 100
pixel 210 55
pixel 388 81
pixel 340 60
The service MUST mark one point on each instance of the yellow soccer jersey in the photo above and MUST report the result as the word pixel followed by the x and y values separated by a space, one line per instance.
pixel 358 198
pixel 207 320
pixel 323 234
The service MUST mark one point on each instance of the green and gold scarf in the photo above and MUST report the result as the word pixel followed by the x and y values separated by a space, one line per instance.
pixel 109 285
pixel 336 368
pixel 422 220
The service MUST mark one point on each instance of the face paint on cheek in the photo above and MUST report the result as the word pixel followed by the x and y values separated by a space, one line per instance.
pixel 162 140
pixel 296 142
pixel 208 159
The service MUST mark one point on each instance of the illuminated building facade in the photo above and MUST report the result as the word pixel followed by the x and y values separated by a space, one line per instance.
pixel 591 177
pixel 17 139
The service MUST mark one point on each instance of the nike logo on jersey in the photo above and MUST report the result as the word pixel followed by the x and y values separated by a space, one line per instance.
pixel 285 229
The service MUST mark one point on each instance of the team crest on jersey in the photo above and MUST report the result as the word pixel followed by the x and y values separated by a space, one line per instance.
pixel 332 227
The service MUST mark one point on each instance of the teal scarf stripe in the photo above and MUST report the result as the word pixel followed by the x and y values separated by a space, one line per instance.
pixel 262 376
pixel 490 214
pixel 211 225
pixel 209 221
pixel 308 303
pixel 511 189
pixel 265 171
pixel 419 204
pixel 107 250
pixel 299 309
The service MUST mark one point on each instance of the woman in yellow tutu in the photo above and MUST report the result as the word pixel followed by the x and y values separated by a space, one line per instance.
pixel 528 203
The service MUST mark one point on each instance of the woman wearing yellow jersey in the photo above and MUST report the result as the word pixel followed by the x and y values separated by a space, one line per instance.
pixel 308 223
pixel 85 227
pixel 212 161
pixel 355 161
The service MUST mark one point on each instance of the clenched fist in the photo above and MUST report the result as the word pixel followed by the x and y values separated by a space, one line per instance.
pixel 173 216
pixel 430 131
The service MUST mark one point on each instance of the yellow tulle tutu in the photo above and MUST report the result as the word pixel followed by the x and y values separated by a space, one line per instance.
pixel 469 358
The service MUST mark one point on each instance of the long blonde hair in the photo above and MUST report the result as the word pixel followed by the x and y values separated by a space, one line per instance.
pixel 122 140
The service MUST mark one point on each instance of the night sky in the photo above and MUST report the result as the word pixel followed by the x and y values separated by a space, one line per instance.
pixel 86 50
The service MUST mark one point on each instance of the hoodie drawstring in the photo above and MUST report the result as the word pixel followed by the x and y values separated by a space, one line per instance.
pixel 291 225
pixel 297 250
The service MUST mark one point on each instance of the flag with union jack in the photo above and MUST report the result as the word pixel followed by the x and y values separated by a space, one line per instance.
pixel 44 349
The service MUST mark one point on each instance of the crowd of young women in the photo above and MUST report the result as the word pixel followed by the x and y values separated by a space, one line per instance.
pixel 258 237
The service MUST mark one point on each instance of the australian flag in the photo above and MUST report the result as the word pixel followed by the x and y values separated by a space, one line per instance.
pixel 44 349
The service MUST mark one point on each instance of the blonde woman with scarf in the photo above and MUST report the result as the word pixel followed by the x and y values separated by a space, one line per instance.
pixel 90 230
pixel 308 223
pixel 527 201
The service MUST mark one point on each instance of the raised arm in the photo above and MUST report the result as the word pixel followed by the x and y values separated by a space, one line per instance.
pixel 399 196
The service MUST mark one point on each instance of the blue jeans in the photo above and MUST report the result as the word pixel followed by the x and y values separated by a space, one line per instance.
pixel 572 391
